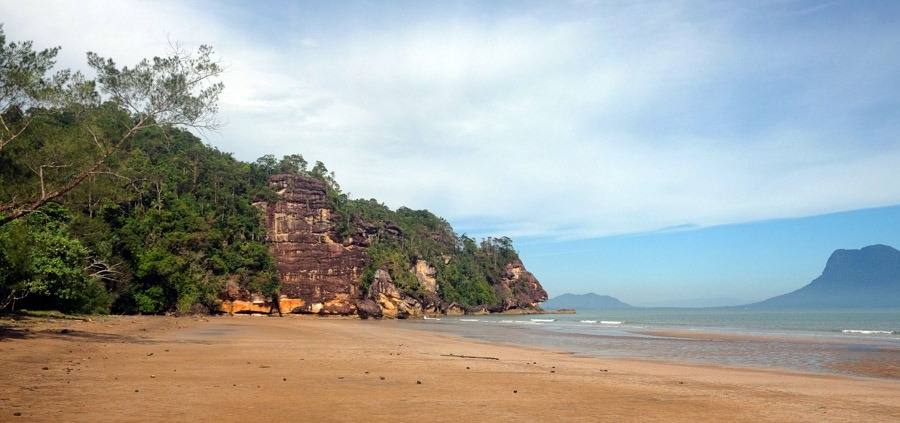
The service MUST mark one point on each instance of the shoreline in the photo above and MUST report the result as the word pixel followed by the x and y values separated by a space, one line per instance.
pixel 235 368
pixel 804 352
pixel 774 370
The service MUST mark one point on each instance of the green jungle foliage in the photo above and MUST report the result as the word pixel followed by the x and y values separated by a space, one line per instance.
pixel 107 206
pixel 164 230
pixel 466 270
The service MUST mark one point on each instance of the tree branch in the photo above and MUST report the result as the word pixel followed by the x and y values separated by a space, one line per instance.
pixel 105 272
pixel 3 143
pixel 32 205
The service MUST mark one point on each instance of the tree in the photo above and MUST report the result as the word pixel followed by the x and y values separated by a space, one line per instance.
pixel 27 85
pixel 293 163
pixel 319 170
pixel 267 163
pixel 43 264
pixel 180 90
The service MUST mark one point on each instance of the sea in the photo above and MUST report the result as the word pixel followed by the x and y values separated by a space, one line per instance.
pixel 857 342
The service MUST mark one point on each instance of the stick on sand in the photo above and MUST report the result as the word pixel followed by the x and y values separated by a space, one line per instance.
pixel 469 356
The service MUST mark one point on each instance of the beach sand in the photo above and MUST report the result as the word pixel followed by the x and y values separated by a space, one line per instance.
pixel 166 369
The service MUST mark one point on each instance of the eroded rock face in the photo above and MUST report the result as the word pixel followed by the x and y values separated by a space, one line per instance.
pixel 321 270
pixel 392 302
pixel 368 308
pixel 454 309
pixel 314 263
pixel 519 288
pixel 425 274
pixel 260 306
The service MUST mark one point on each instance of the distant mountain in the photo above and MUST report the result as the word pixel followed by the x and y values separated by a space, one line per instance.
pixel 869 277
pixel 589 301
pixel 697 302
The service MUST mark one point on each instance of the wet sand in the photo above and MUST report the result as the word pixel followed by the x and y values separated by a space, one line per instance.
pixel 152 369
pixel 724 336
pixel 879 358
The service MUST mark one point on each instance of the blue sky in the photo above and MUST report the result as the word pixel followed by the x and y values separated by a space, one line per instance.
pixel 570 126
pixel 725 265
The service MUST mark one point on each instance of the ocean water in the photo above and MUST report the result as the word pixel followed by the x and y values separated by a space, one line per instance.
pixel 843 341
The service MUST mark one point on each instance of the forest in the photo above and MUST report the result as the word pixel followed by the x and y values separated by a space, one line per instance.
pixel 110 204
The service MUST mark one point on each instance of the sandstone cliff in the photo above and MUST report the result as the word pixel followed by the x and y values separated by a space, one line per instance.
pixel 315 266
pixel 321 271
pixel 518 288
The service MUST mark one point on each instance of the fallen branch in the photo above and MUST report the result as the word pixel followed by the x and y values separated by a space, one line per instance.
pixel 469 356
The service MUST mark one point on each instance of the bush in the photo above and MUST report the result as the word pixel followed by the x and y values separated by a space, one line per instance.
pixel 44 264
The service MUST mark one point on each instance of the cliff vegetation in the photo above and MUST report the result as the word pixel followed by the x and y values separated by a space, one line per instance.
pixel 108 202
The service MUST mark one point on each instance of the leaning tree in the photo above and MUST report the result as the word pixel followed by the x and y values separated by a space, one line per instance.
pixel 64 127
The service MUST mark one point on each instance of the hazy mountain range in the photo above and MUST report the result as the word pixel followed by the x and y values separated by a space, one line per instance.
pixel 588 301
pixel 697 302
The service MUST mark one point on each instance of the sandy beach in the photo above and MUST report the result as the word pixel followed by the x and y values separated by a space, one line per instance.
pixel 152 369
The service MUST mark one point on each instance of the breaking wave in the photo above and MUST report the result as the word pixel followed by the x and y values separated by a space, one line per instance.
pixel 868 332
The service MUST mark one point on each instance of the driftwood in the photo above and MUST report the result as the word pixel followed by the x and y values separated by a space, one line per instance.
pixel 469 356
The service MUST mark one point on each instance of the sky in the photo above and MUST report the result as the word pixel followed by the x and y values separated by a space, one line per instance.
pixel 656 151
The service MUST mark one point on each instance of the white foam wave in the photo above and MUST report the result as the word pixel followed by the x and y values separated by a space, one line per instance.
pixel 867 332
pixel 610 322
pixel 543 320
pixel 588 321
pixel 468 320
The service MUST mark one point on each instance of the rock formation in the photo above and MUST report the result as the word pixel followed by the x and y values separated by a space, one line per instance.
pixel 315 266
pixel 321 271
pixel 392 302
pixel 425 275
pixel 518 288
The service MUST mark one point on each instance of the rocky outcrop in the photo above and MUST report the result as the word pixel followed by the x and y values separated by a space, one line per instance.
pixel 518 288
pixel 321 269
pixel 368 308
pixel 314 263
pixel 425 274
pixel 392 302
pixel 429 298
pixel 259 305
pixel 237 300
pixel 454 309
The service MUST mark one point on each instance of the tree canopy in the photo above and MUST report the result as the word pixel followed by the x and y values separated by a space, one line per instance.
pixel 66 129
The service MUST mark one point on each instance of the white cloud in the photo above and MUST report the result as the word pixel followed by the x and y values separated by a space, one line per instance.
pixel 620 120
